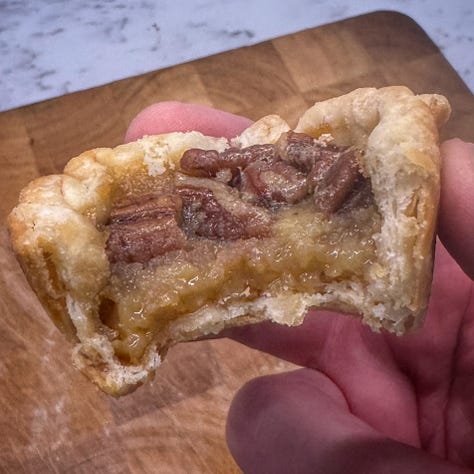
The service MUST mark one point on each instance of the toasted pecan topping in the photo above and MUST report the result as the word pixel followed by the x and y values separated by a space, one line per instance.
pixel 228 195
pixel 286 172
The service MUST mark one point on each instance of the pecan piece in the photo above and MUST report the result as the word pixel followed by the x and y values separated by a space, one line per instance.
pixel 144 228
pixel 334 180
pixel 276 182
pixel 208 163
pixel 214 212
pixel 205 217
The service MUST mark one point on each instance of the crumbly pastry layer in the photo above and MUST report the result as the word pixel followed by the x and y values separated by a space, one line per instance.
pixel 136 248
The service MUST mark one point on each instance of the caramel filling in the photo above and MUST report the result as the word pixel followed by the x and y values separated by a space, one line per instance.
pixel 232 226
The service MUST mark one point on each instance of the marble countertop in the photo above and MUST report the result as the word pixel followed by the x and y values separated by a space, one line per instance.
pixel 52 47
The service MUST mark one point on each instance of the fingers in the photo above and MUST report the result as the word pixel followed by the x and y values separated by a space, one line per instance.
pixel 165 117
pixel 456 216
pixel 300 422
pixel 358 360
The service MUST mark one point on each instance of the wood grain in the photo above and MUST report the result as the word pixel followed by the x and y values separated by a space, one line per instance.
pixel 51 418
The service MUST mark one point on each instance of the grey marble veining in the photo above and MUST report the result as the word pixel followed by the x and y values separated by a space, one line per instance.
pixel 52 47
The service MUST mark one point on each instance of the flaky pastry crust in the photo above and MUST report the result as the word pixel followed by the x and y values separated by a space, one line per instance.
pixel 57 228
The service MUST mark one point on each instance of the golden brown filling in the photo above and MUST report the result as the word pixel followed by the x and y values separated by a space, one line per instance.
pixel 268 218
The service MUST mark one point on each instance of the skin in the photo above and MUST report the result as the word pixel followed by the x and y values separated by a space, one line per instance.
pixel 362 401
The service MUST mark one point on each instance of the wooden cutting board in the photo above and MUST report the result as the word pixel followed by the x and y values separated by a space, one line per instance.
pixel 51 418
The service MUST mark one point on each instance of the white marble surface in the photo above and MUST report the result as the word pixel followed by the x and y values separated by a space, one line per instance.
pixel 51 47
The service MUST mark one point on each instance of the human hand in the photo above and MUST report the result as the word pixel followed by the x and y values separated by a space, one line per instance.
pixel 364 402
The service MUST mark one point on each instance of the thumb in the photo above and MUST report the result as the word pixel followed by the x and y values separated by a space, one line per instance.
pixel 456 213
pixel 299 422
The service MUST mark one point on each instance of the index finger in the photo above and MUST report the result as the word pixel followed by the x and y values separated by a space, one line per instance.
pixel 166 117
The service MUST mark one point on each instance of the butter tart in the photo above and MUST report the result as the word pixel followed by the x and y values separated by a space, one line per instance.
pixel 176 236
